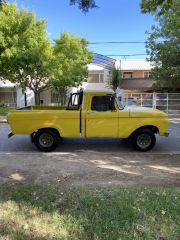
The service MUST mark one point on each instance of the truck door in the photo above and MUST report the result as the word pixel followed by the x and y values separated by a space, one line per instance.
pixel 101 118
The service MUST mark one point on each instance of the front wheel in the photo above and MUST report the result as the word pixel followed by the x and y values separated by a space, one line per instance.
pixel 143 140
pixel 46 140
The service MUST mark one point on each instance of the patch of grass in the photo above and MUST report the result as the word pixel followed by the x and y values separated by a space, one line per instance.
pixel 4 109
pixel 52 212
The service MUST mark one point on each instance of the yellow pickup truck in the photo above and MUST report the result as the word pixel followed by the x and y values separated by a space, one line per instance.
pixel 89 114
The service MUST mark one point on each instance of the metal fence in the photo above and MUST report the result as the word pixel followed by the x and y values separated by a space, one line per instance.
pixel 167 102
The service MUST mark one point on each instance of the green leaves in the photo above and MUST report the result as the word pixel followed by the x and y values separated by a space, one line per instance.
pixel 159 7
pixel 84 5
pixel 166 54
pixel 115 78
pixel 27 57
pixel 26 49
pixel 70 59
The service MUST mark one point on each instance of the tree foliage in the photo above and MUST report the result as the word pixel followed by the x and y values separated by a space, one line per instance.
pixel 163 46
pixel 71 57
pixel 158 7
pixel 84 5
pixel 115 78
pixel 28 58
pixel 25 49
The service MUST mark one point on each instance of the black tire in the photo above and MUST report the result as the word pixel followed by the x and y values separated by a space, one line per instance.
pixel 143 140
pixel 46 140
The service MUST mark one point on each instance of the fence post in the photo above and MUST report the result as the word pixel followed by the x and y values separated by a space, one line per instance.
pixel 141 100
pixel 154 100
pixel 127 96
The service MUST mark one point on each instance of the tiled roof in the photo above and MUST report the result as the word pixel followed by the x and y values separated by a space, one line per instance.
pixel 128 65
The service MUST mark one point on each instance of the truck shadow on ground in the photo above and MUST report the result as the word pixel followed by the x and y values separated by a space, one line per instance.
pixel 94 144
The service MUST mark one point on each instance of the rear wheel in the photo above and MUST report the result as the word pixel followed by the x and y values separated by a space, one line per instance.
pixel 46 140
pixel 143 140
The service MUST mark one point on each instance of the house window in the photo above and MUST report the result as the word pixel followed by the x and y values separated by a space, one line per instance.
pixel 96 78
pixel 128 75
pixel 147 75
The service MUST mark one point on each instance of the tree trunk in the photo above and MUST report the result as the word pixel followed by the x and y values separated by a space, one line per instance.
pixel 37 98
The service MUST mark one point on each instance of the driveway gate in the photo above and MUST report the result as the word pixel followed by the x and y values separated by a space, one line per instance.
pixel 167 102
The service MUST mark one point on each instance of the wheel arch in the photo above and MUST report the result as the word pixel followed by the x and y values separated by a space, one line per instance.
pixel 45 128
pixel 152 128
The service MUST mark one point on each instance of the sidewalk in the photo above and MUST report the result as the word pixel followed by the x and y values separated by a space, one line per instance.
pixel 3 119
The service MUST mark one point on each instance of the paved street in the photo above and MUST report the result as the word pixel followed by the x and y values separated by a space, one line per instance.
pixel 91 162
pixel 22 143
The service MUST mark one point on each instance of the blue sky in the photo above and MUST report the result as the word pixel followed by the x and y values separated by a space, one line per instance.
pixel 114 20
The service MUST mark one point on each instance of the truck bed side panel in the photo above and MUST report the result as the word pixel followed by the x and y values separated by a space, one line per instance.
pixel 27 122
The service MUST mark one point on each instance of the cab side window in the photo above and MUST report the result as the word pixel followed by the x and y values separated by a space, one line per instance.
pixel 101 103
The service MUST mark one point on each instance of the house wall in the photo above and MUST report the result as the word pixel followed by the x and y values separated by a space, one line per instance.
pixel 45 97
pixel 21 99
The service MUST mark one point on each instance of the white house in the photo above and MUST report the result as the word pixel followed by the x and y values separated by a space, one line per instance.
pixel 12 95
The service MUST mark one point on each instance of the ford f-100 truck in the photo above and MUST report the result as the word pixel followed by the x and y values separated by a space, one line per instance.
pixel 89 114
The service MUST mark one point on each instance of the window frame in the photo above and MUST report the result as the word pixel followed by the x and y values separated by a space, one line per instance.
pixel 149 74
pixel 100 74
pixel 127 72
pixel 109 110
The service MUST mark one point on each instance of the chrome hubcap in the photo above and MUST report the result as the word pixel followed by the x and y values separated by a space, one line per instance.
pixel 144 141
pixel 46 140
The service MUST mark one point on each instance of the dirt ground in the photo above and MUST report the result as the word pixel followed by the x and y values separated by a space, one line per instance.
pixel 92 168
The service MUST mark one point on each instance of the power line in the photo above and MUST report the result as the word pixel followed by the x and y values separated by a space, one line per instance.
pixel 126 42
pixel 93 43
pixel 126 55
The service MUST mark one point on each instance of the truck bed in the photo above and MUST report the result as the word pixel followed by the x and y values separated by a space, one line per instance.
pixel 48 107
